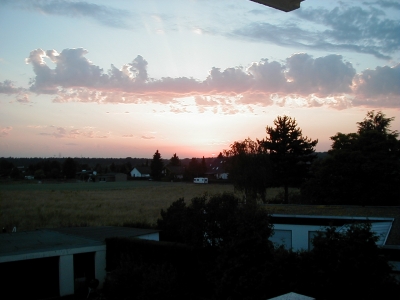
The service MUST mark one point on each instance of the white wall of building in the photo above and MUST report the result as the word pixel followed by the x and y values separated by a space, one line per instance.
pixel 299 234
pixel 66 274
pixel 100 267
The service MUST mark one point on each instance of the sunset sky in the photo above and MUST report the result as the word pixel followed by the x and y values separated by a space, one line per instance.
pixel 126 78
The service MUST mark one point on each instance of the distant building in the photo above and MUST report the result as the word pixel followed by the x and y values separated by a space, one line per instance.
pixel 217 170
pixel 112 177
pixel 174 172
pixel 142 171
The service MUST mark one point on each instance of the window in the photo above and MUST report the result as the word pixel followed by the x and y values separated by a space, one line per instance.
pixel 311 235
pixel 282 237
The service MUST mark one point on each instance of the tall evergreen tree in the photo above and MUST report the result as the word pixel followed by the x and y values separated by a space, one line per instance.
pixel 175 161
pixel 288 148
pixel 193 169
pixel 203 167
pixel 156 166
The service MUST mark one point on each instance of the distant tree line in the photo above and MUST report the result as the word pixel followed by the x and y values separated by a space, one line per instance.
pixel 361 168
pixel 62 168
pixel 191 168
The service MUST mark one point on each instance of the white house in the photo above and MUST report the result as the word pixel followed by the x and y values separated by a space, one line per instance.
pixel 142 171
pixel 57 262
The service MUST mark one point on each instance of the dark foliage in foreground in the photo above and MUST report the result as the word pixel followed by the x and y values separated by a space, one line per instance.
pixel 362 168
pixel 227 255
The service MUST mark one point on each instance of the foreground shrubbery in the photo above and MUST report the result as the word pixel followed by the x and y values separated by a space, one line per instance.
pixel 224 253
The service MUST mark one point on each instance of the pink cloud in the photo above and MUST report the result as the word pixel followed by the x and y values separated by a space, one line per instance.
pixel 23 98
pixel 5 131
pixel 68 133
pixel 316 80
pixel 379 87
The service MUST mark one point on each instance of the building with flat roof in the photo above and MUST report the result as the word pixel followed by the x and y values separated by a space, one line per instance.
pixel 50 263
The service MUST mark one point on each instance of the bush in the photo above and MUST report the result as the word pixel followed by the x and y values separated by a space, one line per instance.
pixel 142 269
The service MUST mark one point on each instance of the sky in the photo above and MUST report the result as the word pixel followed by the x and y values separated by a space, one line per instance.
pixel 125 78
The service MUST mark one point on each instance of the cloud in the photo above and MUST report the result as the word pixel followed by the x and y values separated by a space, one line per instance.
pixel 76 9
pixel 386 4
pixel 301 80
pixel 361 29
pixel 7 87
pixel 322 76
pixel 5 131
pixel 378 87
pixel 364 29
pixel 23 98
pixel 178 110
pixel 144 137
pixel 72 70
pixel 69 133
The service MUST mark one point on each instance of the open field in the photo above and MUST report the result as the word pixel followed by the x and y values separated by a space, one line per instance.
pixel 30 206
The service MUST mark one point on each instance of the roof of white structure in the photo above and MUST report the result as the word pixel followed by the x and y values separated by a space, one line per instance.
pixel 50 242
pixel 100 233
pixel 380 226
pixel 16 243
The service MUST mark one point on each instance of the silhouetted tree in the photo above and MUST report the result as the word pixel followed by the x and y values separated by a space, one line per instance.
pixel 288 148
pixel 215 221
pixel 237 236
pixel 361 168
pixel 249 169
pixel 5 167
pixel 193 169
pixel 175 161
pixel 69 168
pixel 113 168
pixel 351 260
pixel 39 174
pixel 156 166
pixel 98 168
pixel 203 167
pixel 15 173
pixel 55 169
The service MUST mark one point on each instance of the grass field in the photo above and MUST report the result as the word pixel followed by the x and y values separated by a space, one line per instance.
pixel 29 206
pixel 48 205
